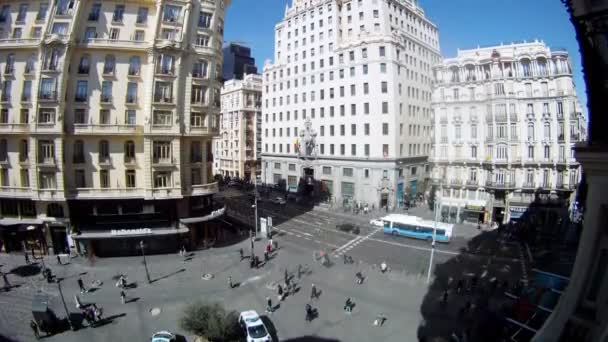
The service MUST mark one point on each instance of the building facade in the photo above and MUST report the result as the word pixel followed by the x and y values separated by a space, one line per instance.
pixel 238 147
pixel 347 99
pixel 108 110
pixel 506 120
pixel 238 62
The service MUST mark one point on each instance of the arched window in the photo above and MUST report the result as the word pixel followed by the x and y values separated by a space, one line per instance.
pixel 525 67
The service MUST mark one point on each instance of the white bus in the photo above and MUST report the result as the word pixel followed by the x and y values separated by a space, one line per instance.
pixel 416 227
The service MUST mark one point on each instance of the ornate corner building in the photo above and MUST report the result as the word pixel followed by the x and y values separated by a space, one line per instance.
pixel 506 121
pixel 107 113
pixel 237 149
pixel 360 73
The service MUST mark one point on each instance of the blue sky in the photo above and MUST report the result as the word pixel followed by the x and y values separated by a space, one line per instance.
pixel 462 24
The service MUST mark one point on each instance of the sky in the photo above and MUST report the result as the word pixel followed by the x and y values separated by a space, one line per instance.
pixel 462 24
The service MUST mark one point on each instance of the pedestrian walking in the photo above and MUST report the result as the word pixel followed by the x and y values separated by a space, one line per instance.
pixel 265 256
pixel 81 286
pixel 230 282
pixel 241 253
pixel 58 260
pixel 27 258
pixel 34 327
pixel 280 292
pixel 271 243
pixel 286 277
pixel 268 305
pixel 123 296
pixel 309 312
pixel 181 252
pixel 348 306
pixel 252 240
pixel 313 292
pixel 459 286
pixel 268 248
pixel 444 297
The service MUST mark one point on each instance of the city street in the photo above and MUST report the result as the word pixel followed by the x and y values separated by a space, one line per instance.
pixel 402 294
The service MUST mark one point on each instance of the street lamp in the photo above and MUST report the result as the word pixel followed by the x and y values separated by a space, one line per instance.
pixel 64 304
pixel 428 277
pixel 141 245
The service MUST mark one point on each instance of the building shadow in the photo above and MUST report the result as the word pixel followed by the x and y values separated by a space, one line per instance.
pixel 493 286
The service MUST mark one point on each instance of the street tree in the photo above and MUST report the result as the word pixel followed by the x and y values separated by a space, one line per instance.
pixel 210 321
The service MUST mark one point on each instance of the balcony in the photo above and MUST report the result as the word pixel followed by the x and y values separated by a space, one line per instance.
pixel 472 182
pixel 159 193
pixel 15 192
pixel 105 161
pixel 19 42
pixel 97 129
pixel 500 185
pixel 49 195
pixel 513 117
pixel 565 187
pixel 561 138
pixel 56 38
pixel 131 100
pixel 47 162
pixel 116 44
pixel 106 99
pixel 203 130
pixel 456 182
pixel 163 43
pixel 80 99
pixel 159 162
pixel 575 138
pixel 204 189
pixel 101 193
pixel 443 120
pixel 160 99
pixel 5 98
pixel 501 118
pixel 130 161
pixel 48 97
pixel 528 185
pixel 14 128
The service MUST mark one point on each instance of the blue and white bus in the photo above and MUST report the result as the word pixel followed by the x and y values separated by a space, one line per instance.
pixel 417 228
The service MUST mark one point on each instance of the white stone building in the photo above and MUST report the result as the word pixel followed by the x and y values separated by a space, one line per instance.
pixel 238 147
pixel 506 120
pixel 360 73
pixel 108 110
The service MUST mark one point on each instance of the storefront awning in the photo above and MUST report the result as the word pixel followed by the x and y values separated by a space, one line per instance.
pixel 8 221
pixel 127 233
pixel 214 214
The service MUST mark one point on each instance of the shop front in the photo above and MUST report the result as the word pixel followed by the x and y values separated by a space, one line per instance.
pixel 473 213
pixel 206 230
pixel 17 234
pixel 516 212
pixel 127 242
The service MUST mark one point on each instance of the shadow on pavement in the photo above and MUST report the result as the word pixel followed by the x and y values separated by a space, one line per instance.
pixel 168 275
pixel 489 296
pixel 26 270
pixel 270 326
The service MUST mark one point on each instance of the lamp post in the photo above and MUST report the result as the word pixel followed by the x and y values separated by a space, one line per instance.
pixel 428 277
pixel 65 307
pixel 141 245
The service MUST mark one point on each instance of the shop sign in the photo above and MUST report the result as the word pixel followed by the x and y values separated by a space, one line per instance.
pixel 139 231
pixel 474 207
pixel 518 209
pixel 216 213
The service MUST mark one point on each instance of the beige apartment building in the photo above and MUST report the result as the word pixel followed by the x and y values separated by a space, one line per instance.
pixel 239 145
pixel 107 113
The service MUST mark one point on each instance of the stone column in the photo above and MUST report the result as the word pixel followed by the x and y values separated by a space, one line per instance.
pixel 595 163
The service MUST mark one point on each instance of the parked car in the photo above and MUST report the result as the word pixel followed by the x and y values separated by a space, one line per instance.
pixel 279 200
pixel 348 227
pixel 377 223
pixel 163 336
pixel 254 327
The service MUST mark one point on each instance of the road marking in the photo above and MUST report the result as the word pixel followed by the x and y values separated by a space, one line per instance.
pixel 412 246
pixel 354 243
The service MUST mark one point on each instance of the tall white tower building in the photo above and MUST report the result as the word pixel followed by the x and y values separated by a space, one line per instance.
pixel 506 120
pixel 346 108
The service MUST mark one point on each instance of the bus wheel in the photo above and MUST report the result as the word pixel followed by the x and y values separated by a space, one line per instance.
pixel 394 233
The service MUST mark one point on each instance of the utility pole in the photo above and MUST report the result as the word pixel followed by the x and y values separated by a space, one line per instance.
pixel 141 245
pixel 67 313
pixel 428 277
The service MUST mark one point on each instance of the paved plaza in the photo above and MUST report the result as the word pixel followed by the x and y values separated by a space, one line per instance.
pixel 411 306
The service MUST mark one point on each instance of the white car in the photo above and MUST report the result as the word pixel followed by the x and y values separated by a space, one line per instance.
pixel 254 328
pixel 163 336
pixel 377 223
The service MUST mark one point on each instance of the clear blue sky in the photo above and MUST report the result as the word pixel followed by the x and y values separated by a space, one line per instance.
pixel 462 24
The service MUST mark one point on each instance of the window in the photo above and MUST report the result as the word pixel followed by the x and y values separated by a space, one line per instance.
pixel 21 14
pixel 130 117
pixel 130 178
pixel 26 94
pixel 204 19
pixel 132 92
pixel 25 178
pixel 162 179
pixel 142 15
pixel 384 107
pixel 30 64
pixel 197 119
pixel 46 151
pixel 385 150
pixel 383 68
pixel 139 35
pixel 134 66
pixel 530 152
pixel 327 170
pixel 42 10
pixel 90 33
pixel 162 151
pixel 364 67
pixel 381 49
pixel 9 67
pixel 46 116
pixel 196 176
pixel 163 92
pixel 384 87
pixel 104 179
pixel 164 64
pixel 109 65
pixel 171 13
pixel 197 94
pixel 162 118
pixel 199 69
pixel 385 129
pixel 366 150
pixel 353 149
pixel 119 12
pixel 106 91
pixel 347 172
pixel 24 151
